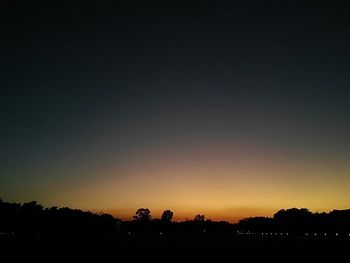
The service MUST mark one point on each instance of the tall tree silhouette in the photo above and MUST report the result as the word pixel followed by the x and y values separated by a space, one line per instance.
pixel 143 215
pixel 167 216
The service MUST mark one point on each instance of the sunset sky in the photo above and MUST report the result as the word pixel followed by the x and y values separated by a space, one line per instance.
pixel 230 109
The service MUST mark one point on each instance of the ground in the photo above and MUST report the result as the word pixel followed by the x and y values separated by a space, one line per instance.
pixel 180 248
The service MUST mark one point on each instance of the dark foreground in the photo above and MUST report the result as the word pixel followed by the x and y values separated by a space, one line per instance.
pixel 180 248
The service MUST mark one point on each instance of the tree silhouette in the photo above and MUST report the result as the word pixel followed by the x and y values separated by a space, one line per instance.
pixel 31 218
pixel 199 218
pixel 167 215
pixel 143 215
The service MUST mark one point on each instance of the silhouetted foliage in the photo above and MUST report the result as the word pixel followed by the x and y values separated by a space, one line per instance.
pixel 296 220
pixel 299 221
pixel 32 218
pixel 199 218
pixel 167 216
pixel 143 215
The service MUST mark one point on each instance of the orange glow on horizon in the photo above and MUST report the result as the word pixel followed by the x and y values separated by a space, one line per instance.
pixel 222 182
pixel 222 185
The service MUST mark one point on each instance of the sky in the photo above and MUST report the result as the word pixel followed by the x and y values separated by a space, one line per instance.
pixel 225 108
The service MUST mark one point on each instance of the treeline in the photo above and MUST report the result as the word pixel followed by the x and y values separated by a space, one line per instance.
pixel 144 224
pixel 33 218
pixel 290 221
pixel 299 221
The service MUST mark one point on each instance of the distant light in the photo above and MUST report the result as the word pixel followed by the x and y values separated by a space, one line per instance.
pixel 336 234
pixel 315 234
pixel 270 233
pixel 204 230
pixel 287 234
pixel 281 234
pixel 160 233
pixel 129 233
pixel 325 234
pixel 306 234
pixel 275 233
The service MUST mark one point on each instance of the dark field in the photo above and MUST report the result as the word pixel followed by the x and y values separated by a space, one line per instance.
pixel 180 248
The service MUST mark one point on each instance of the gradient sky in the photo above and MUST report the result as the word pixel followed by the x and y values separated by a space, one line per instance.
pixel 230 109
